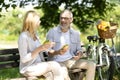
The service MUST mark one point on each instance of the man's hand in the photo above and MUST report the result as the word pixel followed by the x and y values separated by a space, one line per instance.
pixel 78 56
pixel 61 51
pixel 64 49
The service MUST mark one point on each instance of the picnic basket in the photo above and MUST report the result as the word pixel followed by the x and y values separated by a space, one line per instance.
pixel 109 33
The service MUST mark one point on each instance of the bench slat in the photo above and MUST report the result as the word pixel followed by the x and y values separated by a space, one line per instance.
pixel 9 51
pixel 9 65
pixel 9 58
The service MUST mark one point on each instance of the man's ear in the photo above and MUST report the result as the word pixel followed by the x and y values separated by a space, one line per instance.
pixel 71 20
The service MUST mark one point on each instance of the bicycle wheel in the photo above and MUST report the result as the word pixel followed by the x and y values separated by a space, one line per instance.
pixel 105 72
pixel 117 64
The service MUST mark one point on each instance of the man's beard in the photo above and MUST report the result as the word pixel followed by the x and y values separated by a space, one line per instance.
pixel 64 27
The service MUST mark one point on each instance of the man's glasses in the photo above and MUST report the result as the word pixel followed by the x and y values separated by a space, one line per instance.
pixel 65 18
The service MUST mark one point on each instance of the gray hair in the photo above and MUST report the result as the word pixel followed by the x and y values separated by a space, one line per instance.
pixel 68 11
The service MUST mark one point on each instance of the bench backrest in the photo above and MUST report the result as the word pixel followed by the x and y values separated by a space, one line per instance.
pixel 9 58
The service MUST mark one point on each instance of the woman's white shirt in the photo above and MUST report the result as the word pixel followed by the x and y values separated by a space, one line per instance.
pixel 26 45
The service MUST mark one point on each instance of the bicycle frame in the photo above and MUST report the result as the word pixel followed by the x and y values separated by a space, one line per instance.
pixel 96 51
pixel 99 52
pixel 103 53
pixel 117 64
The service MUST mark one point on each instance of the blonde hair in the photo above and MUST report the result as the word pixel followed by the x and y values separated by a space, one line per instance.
pixel 29 22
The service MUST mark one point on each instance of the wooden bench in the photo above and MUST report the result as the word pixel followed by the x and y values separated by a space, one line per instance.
pixel 9 58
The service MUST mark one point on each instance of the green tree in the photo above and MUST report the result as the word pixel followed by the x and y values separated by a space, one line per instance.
pixel 83 10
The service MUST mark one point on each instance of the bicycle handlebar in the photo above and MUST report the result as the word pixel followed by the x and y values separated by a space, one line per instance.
pixel 89 22
pixel 95 38
pixel 92 38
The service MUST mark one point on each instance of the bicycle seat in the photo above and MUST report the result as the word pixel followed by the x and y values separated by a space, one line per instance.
pixel 93 38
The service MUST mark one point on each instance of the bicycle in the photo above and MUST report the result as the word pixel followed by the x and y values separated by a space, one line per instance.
pixel 116 59
pixel 101 54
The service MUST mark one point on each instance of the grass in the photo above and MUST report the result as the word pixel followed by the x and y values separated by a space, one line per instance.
pixel 7 74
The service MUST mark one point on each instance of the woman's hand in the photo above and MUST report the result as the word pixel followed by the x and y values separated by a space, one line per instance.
pixel 41 48
pixel 48 45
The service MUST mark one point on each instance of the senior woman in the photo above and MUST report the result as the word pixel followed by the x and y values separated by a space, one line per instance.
pixel 30 50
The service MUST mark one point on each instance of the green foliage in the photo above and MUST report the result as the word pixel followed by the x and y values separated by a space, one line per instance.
pixel 7 37
pixel 8 73
pixel 82 9
pixel 11 25
pixel 10 22
pixel 86 10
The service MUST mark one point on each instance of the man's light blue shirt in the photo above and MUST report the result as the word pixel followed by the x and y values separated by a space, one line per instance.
pixel 74 43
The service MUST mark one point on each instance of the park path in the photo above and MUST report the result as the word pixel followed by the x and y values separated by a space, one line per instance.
pixel 8 45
